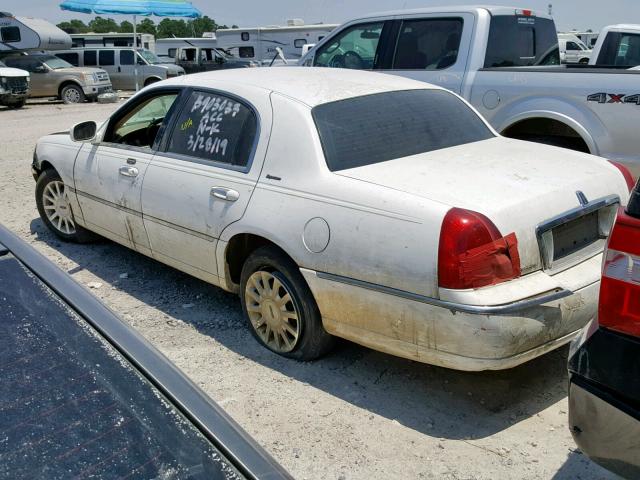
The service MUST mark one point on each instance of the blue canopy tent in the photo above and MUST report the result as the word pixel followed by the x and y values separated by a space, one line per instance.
pixel 159 8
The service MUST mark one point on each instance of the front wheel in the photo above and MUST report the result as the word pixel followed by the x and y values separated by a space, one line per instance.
pixel 72 94
pixel 279 307
pixel 55 209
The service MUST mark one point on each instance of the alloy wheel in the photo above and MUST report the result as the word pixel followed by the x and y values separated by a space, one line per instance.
pixel 57 207
pixel 272 311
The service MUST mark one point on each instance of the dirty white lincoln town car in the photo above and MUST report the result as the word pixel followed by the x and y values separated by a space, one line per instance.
pixel 345 204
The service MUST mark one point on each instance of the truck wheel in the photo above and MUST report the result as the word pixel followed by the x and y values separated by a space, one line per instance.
pixel 149 81
pixel 55 209
pixel 72 94
pixel 279 307
pixel 583 61
pixel 17 105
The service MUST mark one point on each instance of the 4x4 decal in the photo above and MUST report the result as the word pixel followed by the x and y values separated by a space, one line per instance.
pixel 614 98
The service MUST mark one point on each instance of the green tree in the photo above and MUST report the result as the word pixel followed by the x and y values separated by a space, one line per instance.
pixel 103 25
pixel 168 28
pixel 146 26
pixel 203 24
pixel 73 26
pixel 125 27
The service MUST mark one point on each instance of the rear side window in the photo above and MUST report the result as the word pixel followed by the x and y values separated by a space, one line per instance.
pixel 172 52
pixel 215 128
pixel 428 44
pixel 620 49
pixel 90 58
pixel 126 57
pixel 381 127
pixel 10 34
pixel 107 58
pixel 72 58
pixel 516 40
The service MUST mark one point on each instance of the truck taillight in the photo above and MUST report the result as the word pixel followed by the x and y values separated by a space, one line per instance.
pixel 526 12
pixel 472 252
pixel 625 173
pixel 619 305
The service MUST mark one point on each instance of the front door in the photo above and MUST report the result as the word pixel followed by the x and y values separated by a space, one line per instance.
pixel 204 179
pixel 109 174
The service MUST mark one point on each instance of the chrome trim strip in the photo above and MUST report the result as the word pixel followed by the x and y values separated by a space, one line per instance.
pixel 503 309
pixel 568 216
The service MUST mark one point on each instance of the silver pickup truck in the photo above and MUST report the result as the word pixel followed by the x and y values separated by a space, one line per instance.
pixel 504 61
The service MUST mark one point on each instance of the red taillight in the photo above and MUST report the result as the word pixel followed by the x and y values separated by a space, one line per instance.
pixel 625 173
pixel 473 253
pixel 619 305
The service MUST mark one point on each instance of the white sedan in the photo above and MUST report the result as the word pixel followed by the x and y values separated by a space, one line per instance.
pixel 345 204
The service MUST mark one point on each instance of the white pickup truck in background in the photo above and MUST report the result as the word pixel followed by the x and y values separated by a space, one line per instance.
pixel 617 46
pixel 505 62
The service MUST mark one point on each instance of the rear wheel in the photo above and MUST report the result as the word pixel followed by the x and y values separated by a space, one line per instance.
pixel 279 307
pixel 72 94
pixel 55 209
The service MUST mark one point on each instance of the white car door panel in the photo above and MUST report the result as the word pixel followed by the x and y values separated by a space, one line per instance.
pixel 108 182
pixel 205 179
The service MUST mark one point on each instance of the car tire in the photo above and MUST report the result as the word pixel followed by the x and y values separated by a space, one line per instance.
pixel 150 81
pixel 16 105
pixel 583 61
pixel 56 212
pixel 273 292
pixel 71 94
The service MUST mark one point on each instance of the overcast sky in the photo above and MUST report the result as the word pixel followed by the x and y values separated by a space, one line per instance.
pixel 568 14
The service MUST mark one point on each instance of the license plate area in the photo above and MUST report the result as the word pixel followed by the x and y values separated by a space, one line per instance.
pixel 576 235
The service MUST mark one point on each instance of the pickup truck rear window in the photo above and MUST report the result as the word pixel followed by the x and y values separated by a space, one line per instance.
pixel 518 40
pixel 384 126
pixel 620 50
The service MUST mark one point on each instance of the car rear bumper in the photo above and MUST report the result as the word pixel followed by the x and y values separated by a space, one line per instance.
pixel 458 336
pixel 604 399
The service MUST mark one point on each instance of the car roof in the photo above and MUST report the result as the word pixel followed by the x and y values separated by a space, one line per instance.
pixel 309 85
pixel 492 9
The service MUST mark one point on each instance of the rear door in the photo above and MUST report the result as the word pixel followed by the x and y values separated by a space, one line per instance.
pixel 431 48
pixel 126 70
pixel 204 178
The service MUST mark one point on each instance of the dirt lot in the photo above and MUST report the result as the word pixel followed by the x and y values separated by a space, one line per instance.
pixel 356 414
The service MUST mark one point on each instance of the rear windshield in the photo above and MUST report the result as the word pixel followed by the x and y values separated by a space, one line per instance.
pixel 73 407
pixel 385 126
pixel 517 40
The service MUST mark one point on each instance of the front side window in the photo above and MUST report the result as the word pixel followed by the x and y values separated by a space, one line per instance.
pixel 139 126
pixel 516 40
pixel 381 127
pixel 107 58
pixel 572 46
pixel 188 55
pixel 31 65
pixel 428 44
pixel 172 52
pixel 215 128
pixel 10 34
pixel 127 57
pixel 354 47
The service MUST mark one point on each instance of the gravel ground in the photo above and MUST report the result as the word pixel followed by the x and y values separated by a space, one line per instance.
pixel 356 414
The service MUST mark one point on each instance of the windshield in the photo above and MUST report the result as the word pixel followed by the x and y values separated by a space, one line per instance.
pixel 2 65
pixel 385 126
pixel 149 56
pixel 55 63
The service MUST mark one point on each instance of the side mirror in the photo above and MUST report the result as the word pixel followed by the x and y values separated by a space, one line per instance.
pixel 84 132
pixel 40 69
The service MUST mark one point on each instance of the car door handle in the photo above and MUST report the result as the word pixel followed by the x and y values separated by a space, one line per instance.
pixel 225 193
pixel 128 171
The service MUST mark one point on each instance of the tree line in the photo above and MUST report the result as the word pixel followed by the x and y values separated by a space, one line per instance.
pixel 166 28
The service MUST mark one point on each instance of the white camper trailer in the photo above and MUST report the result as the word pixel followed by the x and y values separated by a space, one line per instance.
pixel 260 43
pixel 166 47
pixel 25 33
pixel 94 40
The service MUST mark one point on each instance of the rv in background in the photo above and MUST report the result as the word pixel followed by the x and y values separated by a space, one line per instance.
pixel 97 40
pixel 588 38
pixel 25 33
pixel 259 44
